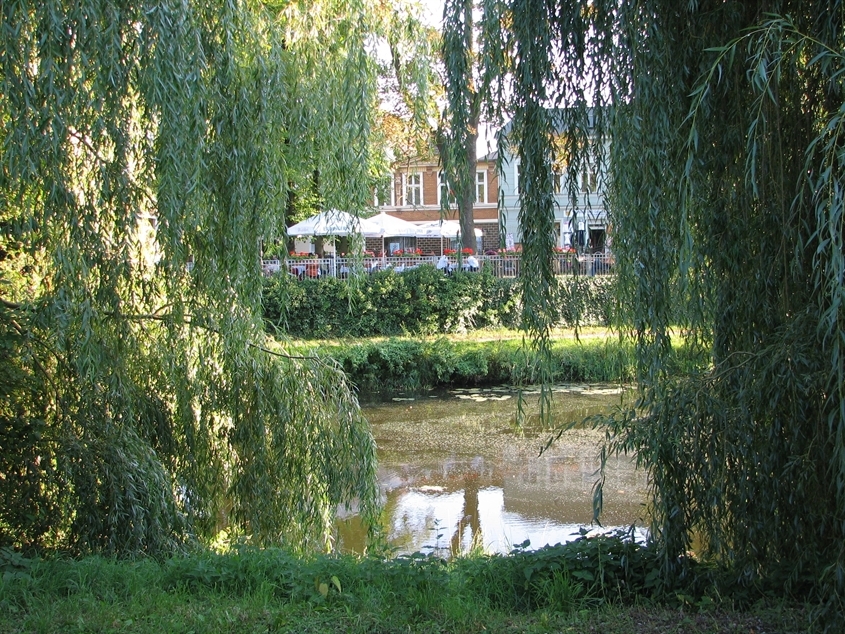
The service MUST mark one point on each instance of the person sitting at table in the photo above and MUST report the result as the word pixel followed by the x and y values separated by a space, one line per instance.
pixel 312 269
pixel 443 264
pixel 471 264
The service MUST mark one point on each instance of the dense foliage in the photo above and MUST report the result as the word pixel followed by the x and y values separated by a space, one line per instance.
pixel 382 366
pixel 723 123
pixel 145 150
pixel 420 301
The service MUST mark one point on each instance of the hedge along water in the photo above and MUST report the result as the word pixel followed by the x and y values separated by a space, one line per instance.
pixel 421 301
pixel 455 475
pixel 403 364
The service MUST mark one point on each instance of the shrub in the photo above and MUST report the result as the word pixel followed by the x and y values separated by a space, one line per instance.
pixel 598 569
pixel 421 301
pixel 407 364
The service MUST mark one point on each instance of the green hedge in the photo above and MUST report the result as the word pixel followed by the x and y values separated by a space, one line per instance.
pixel 421 301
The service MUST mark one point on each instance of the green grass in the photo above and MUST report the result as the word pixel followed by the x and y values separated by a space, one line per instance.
pixel 250 590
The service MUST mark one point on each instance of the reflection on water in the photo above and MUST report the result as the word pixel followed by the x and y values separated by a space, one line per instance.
pixel 454 474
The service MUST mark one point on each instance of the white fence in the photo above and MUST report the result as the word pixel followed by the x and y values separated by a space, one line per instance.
pixel 499 265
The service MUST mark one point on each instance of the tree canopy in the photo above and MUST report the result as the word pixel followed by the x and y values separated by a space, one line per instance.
pixel 145 150
pixel 722 128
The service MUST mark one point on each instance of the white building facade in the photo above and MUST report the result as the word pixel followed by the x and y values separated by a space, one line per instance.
pixel 580 222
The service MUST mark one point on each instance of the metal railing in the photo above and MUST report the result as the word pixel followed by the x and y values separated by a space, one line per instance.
pixel 500 265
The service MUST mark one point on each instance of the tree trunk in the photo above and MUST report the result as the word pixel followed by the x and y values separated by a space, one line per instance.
pixel 466 200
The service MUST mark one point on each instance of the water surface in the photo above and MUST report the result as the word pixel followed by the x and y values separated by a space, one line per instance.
pixel 455 473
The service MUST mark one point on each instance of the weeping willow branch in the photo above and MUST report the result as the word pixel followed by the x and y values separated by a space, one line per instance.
pixel 171 421
pixel 188 320
pixel 721 123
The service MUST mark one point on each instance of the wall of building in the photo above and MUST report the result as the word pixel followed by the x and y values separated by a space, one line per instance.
pixel 585 219
pixel 485 212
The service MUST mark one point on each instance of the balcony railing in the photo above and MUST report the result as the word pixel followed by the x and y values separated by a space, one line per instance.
pixel 503 265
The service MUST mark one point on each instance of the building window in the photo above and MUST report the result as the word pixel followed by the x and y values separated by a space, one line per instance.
pixel 588 181
pixel 384 193
pixel 597 239
pixel 443 190
pixel 558 176
pixel 481 186
pixel 557 181
pixel 413 189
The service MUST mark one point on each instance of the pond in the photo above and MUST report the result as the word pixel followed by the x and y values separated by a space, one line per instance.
pixel 455 474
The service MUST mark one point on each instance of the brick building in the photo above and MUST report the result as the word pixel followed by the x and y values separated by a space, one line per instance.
pixel 415 193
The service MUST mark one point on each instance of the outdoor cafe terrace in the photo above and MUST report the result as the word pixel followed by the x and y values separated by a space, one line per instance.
pixel 305 266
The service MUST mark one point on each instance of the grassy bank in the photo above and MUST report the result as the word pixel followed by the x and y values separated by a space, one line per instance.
pixel 583 588
pixel 484 358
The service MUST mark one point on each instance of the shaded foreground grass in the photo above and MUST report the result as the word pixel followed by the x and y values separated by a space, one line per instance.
pixel 599 585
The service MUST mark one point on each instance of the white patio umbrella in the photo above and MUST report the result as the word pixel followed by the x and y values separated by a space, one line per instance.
pixel 382 225
pixel 332 222
pixel 327 223
pixel 442 229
